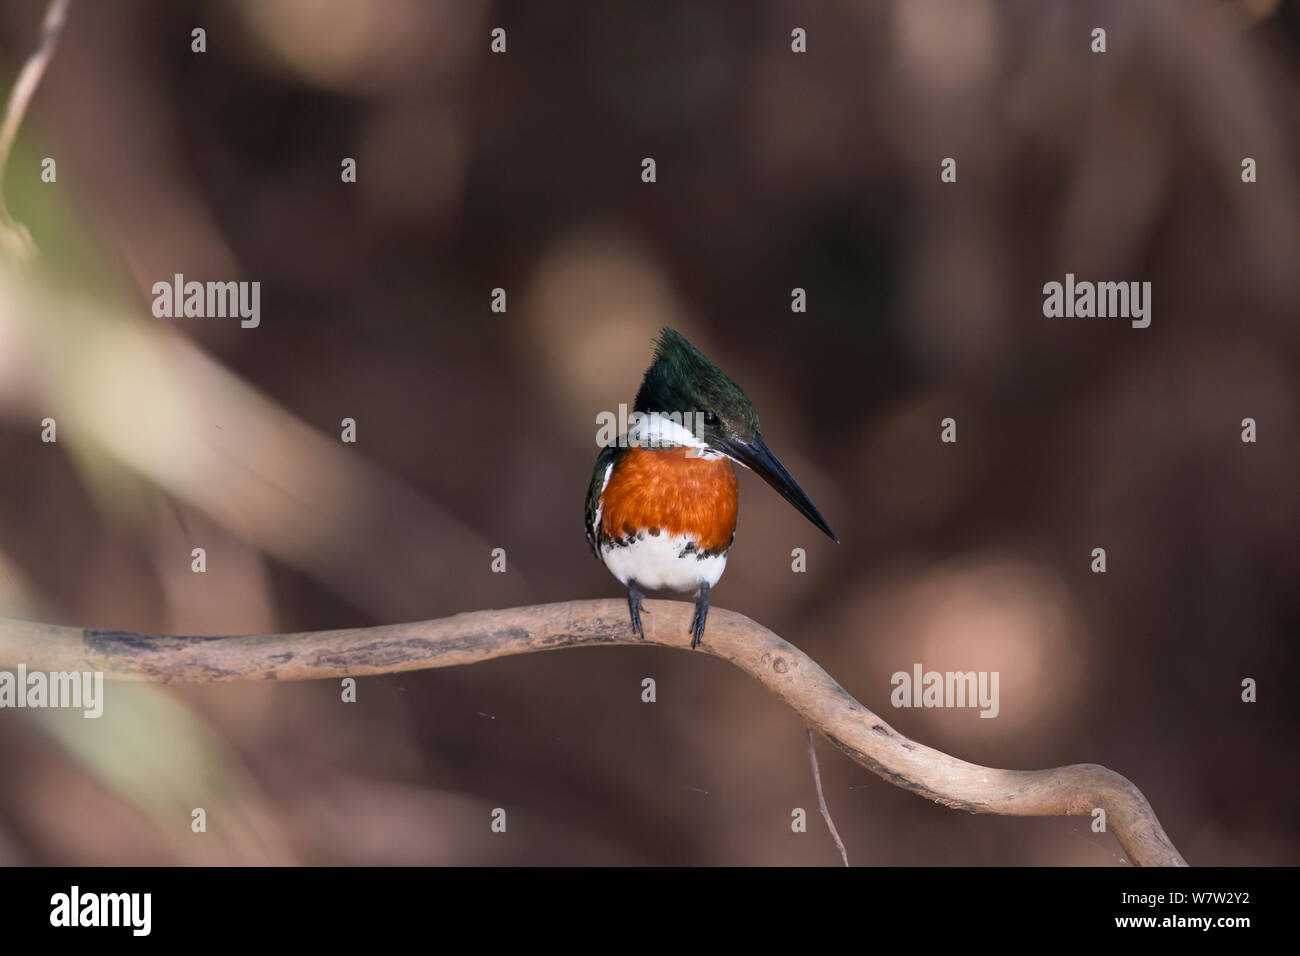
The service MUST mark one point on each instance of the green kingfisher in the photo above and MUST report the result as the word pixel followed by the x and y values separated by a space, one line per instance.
pixel 661 507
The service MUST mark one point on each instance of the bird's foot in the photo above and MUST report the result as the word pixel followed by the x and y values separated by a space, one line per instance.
pixel 701 613
pixel 634 608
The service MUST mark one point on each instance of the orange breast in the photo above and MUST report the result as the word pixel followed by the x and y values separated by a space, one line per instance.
pixel 664 489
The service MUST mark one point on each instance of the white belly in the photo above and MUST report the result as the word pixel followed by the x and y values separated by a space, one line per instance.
pixel 660 561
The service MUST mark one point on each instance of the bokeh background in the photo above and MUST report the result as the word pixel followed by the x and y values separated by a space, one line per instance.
pixel 477 429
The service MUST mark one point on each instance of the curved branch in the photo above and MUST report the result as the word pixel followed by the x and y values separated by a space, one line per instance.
pixel 483 635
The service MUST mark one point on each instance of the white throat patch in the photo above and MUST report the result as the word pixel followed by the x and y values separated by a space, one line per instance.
pixel 656 431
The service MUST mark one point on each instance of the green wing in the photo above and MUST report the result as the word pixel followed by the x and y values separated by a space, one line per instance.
pixel 604 460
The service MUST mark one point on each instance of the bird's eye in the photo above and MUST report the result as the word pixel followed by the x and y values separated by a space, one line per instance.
pixel 710 418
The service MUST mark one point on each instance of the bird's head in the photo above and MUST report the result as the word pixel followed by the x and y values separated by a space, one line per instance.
pixel 684 386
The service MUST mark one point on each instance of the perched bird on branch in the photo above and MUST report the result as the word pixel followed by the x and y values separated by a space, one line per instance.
pixel 662 504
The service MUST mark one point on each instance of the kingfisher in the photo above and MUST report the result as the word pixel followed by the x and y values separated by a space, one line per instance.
pixel 662 504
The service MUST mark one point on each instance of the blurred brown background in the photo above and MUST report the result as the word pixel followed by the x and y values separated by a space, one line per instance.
pixel 476 430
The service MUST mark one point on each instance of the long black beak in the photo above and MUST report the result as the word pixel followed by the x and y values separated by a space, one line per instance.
pixel 757 457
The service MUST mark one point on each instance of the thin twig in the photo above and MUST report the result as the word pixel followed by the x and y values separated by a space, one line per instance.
pixel 821 799
pixel 475 636
pixel 29 78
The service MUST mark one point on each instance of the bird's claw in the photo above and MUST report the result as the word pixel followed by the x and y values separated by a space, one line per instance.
pixel 701 614
pixel 634 608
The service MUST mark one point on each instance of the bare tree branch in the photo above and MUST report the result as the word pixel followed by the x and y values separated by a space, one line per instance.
pixel 821 798
pixel 484 635
pixel 14 235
